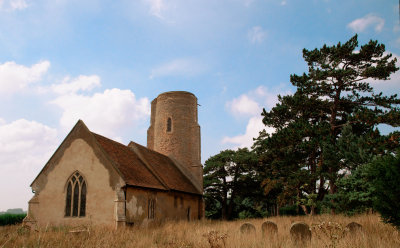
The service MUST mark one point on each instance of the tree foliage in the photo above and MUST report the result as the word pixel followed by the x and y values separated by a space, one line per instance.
pixel 231 185
pixel 307 155
pixel 384 176
pixel 326 134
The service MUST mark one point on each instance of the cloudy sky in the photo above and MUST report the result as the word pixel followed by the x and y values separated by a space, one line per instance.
pixel 104 61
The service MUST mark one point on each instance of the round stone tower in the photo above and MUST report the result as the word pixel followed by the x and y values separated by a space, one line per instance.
pixel 174 130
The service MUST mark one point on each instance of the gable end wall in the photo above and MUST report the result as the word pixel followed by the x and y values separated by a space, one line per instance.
pixel 49 202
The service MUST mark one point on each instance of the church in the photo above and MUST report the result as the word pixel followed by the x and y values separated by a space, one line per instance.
pixel 93 180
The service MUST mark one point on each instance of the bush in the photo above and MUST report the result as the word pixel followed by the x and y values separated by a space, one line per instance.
pixel 11 219
pixel 384 174
pixel 354 194
pixel 291 210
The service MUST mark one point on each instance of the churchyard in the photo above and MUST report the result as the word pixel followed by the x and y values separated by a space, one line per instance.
pixel 325 230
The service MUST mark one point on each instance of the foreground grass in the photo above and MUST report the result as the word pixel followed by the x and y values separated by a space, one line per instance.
pixel 204 234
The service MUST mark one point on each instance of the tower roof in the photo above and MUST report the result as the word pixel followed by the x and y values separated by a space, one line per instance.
pixel 177 93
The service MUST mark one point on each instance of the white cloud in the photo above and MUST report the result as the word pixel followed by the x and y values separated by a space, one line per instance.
pixel 14 77
pixel 361 24
pixel 105 113
pixel 82 82
pixel 25 146
pixel 18 4
pixel 256 34
pixel 11 5
pixel 390 86
pixel 284 2
pixel 243 105
pixel 179 67
pixel 251 104
pixel 156 7
pixel 253 128
pixel 269 98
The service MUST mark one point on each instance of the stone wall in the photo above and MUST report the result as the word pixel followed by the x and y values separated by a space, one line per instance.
pixel 182 142
pixel 48 204
pixel 168 206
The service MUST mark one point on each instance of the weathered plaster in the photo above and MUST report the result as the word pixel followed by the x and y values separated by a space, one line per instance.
pixel 79 156
pixel 82 132
pixel 165 209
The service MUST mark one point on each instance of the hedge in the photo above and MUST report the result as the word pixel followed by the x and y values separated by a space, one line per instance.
pixel 11 219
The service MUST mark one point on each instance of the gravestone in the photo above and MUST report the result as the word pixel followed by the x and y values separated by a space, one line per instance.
pixel 354 227
pixel 247 228
pixel 300 233
pixel 269 229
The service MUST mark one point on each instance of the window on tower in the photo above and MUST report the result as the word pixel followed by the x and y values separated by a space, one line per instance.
pixel 169 124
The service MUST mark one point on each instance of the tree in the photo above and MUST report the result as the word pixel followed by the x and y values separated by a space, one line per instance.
pixel 229 177
pixel 337 75
pixel 355 192
pixel 354 195
pixel 334 93
pixel 384 176
pixel 290 155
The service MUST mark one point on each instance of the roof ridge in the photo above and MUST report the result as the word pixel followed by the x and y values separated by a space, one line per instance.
pixel 146 163
pixel 185 172
pixel 107 138
pixel 130 153
pixel 112 161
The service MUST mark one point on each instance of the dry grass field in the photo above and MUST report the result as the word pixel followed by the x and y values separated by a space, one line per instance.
pixel 210 234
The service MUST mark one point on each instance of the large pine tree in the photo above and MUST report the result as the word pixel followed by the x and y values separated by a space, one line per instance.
pixel 334 93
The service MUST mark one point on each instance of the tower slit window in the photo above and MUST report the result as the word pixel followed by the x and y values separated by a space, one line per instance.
pixel 75 200
pixel 169 124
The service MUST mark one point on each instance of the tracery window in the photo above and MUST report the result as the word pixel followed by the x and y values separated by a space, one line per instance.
pixel 169 124
pixel 75 202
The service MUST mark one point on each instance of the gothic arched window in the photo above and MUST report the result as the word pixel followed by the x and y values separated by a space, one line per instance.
pixel 169 124
pixel 75 202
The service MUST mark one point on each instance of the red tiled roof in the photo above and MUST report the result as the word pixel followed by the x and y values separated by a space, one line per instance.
pixel 148 169
pixel 166 170
pixel 133 170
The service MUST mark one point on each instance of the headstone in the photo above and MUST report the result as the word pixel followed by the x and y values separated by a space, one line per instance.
pixel 300 233
pixel 269 228
pixel 247 228
pixel 354 227
pixel 80 231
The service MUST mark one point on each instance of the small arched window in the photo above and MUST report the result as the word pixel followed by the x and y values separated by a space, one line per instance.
pixel 169 124
pixel 75 202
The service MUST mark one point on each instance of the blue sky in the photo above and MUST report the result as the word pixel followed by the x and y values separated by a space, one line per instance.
pixel 104 61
